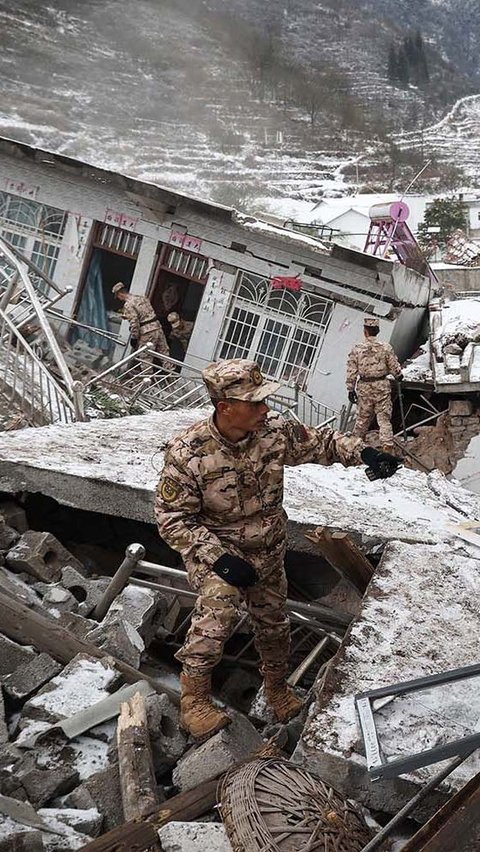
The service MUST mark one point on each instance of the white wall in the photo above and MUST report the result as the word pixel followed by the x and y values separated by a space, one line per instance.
pixel 210 317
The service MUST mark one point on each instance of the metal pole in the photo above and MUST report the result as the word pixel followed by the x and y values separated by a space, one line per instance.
pixel 412 804
pixel 133 553
pixel 402 412
pixel 308 661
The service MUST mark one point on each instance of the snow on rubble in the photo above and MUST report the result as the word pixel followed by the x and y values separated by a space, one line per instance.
pixel 95 465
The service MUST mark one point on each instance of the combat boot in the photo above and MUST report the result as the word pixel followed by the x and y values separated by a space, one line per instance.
pixel 280 696
pixel 198 714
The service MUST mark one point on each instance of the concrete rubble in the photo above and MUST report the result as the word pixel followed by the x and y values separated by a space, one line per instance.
pixel 417 617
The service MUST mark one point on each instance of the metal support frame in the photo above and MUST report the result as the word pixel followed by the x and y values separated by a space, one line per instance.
pixel 364 702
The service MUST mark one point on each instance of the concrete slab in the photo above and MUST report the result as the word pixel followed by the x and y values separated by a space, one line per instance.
pixel 194 837
pixel 112 466
pixel 419 617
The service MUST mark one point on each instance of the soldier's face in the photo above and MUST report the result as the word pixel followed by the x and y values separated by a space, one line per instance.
pixel 246 416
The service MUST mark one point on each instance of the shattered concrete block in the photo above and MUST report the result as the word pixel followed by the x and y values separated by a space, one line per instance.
pixel 13 655
pixel 194 837
pixel 19 838
pixel 42 785
pixel 14 515
pixel 460 408
pixel 31 676
pixel 42 556
pixel 83 682
pixel 167 740
pixel 120 639
pixel 86 592
pixel 84 821
pixel 218 754
pixel 144 609
pixel 103 792
pixel 8 536
pixel 14 585
pixel 11 759
pixel 76 624
pixel 90 756
pixel 260 711
pixel 60 600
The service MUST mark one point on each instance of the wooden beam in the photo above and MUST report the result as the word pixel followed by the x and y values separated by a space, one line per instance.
pixel 454 827
pixel 143 836
pixel 23 625
pixel 140 794
pixel 344 556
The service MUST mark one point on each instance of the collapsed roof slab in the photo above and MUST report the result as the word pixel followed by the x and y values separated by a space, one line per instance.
pixel 112 467
pixel 419 617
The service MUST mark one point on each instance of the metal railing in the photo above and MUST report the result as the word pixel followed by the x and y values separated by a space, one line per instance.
pixel 27 384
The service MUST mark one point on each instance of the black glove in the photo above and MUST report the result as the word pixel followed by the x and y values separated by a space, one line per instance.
pixel 380 465
pixel 134 343
pixel 399 378
pixel 352 396
pixel 235 570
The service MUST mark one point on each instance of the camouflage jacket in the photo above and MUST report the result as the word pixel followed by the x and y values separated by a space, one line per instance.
pixel 215 496
pixel 371 359
pixel 140 315
pixel 183 332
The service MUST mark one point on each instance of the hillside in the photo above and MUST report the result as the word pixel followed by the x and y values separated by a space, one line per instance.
pixel 240 102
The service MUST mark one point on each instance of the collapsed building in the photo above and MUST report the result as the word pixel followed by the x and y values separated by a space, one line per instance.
pixel 384 580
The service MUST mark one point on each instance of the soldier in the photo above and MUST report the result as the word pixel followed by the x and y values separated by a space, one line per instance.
pixel 219 504
pixel 181 329
pixel 144 325
pixel 368 365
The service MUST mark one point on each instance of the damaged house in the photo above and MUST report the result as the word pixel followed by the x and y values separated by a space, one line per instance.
pixel 254 290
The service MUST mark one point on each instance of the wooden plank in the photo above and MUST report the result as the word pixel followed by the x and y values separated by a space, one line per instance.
pixel 454 827
pixel 344 556
pixel 140 795
pixel 143 836
pixel 21 624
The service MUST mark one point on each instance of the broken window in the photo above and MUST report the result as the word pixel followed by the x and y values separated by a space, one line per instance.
pixel 280 329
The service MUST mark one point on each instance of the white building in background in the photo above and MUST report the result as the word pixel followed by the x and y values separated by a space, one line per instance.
pixel 88 228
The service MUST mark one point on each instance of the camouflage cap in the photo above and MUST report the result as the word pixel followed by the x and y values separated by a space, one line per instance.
pixel 117 287
pixel 238 379
pixel 174 319
pixel 371 322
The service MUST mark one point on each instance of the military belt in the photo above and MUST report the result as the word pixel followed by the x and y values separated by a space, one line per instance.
pixel 148 321
pixel 372 378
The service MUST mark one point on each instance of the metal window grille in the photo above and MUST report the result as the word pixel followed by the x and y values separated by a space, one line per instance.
pixel 184 263
pixel 282 330
pixel 36 229
pixel 117 240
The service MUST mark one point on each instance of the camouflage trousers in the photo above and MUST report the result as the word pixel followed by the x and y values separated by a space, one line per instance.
pixel 217 612
pixel 160 346
pixel 374 398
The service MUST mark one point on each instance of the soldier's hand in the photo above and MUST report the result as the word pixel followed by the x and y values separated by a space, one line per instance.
pixel 134 342
pixel 235 571
pixel 381 465
pixel 352 397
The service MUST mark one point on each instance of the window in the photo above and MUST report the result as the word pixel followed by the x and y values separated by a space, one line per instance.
pixel 280 329
pixel 35 229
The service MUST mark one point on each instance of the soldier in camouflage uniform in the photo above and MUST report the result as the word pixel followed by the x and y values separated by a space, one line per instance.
pixel 368 365
pixel 144 325
pixel 181 329
pixel 219 504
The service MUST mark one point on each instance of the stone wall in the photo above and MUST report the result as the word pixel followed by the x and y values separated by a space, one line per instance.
pixel 443 445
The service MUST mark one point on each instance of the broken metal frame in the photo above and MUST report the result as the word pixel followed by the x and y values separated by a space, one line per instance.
pixel 378 767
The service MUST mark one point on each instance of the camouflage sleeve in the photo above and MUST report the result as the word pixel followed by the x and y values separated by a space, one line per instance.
pixel 320 445
pixel 393 364
pixel 177 506
pixel 130 314
pixel 352 369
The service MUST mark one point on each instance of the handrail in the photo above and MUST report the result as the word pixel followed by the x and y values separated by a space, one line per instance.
pixel 36 269
pixel 40 314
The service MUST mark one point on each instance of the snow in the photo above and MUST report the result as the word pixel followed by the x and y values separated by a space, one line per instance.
pixel 419 617
pixel 256 225
pixel 461 317
pixel 91 755
pixel 419 369
pixel 85 684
